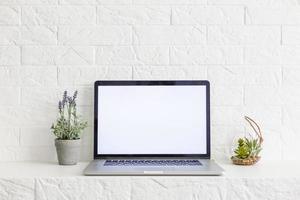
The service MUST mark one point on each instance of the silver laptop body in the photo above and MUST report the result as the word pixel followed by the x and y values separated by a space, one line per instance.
pixel 152 128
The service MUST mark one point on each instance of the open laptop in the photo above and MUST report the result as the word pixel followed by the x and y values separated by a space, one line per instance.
pixel 152 128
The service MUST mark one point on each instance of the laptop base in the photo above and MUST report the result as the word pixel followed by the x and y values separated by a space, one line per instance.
pixel 207 168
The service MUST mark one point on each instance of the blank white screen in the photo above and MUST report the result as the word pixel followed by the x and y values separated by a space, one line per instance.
pixel 152 119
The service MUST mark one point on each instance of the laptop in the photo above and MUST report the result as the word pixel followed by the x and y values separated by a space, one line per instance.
pixel 152 128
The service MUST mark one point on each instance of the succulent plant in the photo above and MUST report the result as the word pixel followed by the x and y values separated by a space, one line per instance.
pixel 242 151
pixel 69 125
pixel 254 147
pixel 249 147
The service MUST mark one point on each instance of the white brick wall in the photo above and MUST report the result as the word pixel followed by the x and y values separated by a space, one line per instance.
pixel 248 49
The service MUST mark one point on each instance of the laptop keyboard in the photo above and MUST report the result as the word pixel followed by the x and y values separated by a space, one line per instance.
pixel 168 162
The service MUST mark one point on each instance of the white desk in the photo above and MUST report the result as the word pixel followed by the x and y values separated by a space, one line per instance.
pixel 266 180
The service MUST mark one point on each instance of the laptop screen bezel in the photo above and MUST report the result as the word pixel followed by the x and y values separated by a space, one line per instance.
pixel 152 83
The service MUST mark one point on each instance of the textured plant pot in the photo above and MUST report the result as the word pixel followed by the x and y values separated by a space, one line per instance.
pixel 68 151
pixel 246 161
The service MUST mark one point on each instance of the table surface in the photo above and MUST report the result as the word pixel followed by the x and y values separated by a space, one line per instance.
pixel 263 169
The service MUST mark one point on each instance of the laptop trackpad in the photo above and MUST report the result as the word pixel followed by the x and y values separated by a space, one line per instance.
pixel 153 172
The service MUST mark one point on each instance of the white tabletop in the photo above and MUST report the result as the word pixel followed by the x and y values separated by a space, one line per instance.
pixel 263 169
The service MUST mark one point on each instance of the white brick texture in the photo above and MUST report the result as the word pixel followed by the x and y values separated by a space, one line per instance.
pixel 208 15
pixel 248 49
pixel 58 15
pixel 159 188
pixel 134 15
pixel 100 35
pixel 9 15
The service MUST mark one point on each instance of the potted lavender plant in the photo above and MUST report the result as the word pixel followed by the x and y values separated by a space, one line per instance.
pixel 67 129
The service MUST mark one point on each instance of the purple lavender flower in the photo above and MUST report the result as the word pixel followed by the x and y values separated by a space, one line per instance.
pixel 60 106
pixel 75 95
pixel 65 94
pixel 70 100
pixel 68 125
pixel 64 100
